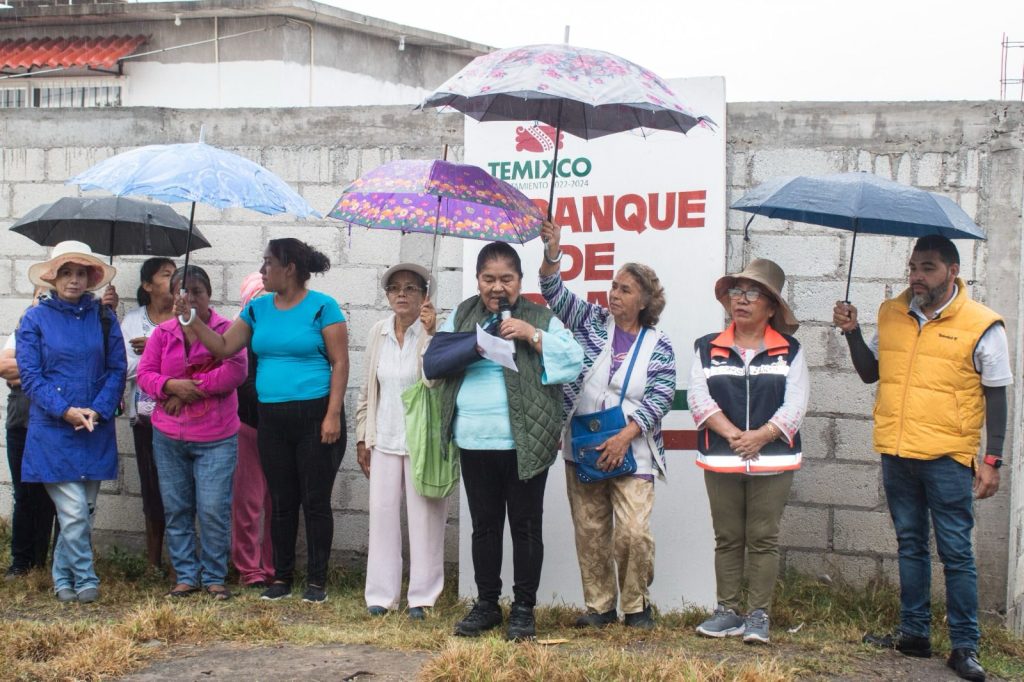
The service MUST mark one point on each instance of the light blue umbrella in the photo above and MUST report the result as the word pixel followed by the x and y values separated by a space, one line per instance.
pixel 860 202
pixel 195 172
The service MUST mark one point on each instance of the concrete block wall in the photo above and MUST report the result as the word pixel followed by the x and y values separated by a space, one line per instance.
pixel 316 151
pixel 836 522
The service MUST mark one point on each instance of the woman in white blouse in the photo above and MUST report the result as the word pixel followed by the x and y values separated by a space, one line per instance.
pixel 393 351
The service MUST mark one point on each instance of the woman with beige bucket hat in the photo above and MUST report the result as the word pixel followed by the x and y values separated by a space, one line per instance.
pixel 748 395
pixel 71 356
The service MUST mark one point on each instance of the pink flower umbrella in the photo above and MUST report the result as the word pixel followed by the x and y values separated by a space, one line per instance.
pixel 588 93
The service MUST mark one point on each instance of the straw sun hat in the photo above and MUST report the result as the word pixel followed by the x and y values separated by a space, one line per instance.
pixel 45 274
pixel 771 278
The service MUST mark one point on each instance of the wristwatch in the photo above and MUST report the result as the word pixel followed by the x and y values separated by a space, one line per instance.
pixel 535 339
pixel 993 461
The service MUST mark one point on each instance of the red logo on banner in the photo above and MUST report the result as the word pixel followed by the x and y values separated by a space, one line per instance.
pixel 538 138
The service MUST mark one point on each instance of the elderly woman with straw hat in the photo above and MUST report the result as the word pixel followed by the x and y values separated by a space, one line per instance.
pixel 748 395
pixel 72 361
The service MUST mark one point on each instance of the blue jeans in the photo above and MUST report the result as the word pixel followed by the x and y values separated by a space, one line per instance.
pixel 195 483
pixel 941 487
pixel 75 502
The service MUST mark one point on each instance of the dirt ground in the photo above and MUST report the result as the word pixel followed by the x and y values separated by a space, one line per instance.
pixel 343 663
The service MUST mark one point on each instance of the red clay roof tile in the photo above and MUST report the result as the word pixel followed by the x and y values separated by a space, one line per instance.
pixel 105 51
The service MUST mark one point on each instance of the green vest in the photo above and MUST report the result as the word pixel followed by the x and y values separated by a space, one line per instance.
pixel 534 410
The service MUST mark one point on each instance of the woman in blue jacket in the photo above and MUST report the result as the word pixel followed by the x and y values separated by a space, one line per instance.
pixel 73 365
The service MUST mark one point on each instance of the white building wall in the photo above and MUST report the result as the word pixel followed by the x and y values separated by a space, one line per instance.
pixel 257 84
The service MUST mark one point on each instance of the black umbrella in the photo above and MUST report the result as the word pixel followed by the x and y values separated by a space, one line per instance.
pixel 115 226
pixel 860 202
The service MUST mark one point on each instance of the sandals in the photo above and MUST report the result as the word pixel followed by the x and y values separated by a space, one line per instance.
pixel 182 590
pixel 218 592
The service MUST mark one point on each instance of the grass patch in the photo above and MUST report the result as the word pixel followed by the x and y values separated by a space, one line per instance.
pixel 133 623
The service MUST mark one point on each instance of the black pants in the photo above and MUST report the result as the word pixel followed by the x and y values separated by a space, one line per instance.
pixel 33 516
pixel 149 482
pixel 493 488
pixel 300 470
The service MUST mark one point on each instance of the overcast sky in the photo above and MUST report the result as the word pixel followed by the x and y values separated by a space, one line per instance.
pixel 774 50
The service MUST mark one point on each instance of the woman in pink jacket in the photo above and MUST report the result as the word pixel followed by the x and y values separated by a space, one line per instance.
pixel 195 439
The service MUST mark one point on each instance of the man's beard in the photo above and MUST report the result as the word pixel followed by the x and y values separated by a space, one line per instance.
pixel 932 297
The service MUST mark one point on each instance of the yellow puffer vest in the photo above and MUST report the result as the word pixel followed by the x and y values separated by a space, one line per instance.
pixel 930 401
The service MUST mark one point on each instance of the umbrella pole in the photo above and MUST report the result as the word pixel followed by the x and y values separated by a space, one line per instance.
pixel 554 163
pixel 436 245
pixel 188 246
pixel 849 273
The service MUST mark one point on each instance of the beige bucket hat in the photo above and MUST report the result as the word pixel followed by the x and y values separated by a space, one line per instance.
pixel 44 274
pixel 770 276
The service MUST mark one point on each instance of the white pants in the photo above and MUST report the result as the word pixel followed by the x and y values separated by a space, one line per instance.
pixel 390 475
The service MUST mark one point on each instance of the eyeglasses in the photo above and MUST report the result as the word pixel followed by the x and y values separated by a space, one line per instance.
pixel 408 289
pixel 750 294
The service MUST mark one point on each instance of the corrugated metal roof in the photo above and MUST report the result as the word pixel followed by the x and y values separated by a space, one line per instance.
pixel 74 51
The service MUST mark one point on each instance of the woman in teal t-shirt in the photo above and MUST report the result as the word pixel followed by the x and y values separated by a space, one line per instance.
pixel 300 339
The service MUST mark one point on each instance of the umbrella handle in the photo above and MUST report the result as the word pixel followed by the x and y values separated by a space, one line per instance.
pixel 191 314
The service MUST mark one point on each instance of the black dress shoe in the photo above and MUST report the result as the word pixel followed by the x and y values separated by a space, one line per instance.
pixel 593 619
pixel 965 663
pixel 643 620
pixel 908 645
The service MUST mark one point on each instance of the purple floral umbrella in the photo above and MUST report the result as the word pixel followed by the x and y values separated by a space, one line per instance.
pixel 588 93
pixel 439 198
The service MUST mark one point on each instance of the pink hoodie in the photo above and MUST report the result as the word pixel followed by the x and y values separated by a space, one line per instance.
pixel 212 418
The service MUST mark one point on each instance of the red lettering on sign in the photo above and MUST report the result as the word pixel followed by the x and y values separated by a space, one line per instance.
pixel 634 220
pixel 598 297
pixel 575 257
pixel 599 255
pixel 630 212
pixel 692 202
pixel 567 214
pixel 670 211
pixel 595 214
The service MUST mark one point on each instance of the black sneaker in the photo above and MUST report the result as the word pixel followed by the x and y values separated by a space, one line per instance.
pixel 277 591
pixel 521 624
pixel 593 619
pixel 908 645
pixel 484 615
pixel 15 572
pixel 643 620
pixel 314 594
pixel 965 662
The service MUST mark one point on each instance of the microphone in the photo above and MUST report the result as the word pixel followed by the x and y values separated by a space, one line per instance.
pixel 505 313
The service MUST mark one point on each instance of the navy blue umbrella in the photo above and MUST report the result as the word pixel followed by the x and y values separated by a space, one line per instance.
pixel 860 202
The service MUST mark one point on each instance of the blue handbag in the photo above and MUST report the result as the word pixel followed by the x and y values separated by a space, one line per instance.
pixel 592 429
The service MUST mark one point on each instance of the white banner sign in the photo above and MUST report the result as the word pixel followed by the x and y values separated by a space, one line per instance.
pixel 660 200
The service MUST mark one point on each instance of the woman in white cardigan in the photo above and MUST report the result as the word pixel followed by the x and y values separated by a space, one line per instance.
pixel 393 351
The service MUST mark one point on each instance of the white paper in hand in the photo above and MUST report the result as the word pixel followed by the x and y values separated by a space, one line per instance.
pixel 496 349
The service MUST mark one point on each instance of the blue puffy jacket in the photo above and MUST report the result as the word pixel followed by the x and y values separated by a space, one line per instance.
pixel 63 364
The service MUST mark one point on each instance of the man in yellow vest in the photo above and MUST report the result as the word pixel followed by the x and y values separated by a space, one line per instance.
pixel 942 364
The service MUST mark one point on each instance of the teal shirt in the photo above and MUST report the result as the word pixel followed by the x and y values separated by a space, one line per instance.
pixel 291 354
pixel 481 408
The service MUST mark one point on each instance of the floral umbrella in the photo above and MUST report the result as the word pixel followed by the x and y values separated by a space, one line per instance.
pixel 439 198
pixel 588 93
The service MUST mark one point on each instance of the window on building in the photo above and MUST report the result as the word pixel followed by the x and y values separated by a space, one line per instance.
pixel 52 93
